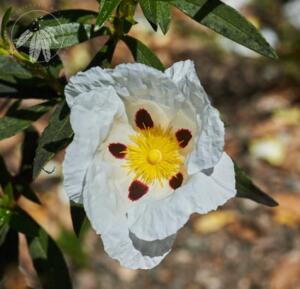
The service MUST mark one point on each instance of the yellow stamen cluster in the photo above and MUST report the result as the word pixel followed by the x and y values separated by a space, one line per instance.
pixel 154 155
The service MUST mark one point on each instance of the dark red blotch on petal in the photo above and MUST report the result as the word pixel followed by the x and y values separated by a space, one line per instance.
pixel 183 136
pixel 143 119
pixel 118 150
pixel 136 190
pixel 176 181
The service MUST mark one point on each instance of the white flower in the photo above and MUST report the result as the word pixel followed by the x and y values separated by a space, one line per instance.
pixel 291 11
pixel 146 154
pixel 237 4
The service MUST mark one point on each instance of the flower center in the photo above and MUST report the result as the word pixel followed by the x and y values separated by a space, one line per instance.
pixel 154 155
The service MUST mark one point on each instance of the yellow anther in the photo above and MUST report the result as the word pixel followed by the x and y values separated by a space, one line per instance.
pixel 154 156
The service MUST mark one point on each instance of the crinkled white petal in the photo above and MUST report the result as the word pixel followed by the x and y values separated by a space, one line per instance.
pixel 118 244
pixel 95 78
pixel 209 146
pixel 106 203
pixel 158 219
pixel 184 75
pixel 136 81
pixel 92 115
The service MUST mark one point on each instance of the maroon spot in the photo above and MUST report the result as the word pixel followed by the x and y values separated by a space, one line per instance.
pixel 183 136
pixel 118 150
pixel 176 181
pixel 136 190
pixel 143 119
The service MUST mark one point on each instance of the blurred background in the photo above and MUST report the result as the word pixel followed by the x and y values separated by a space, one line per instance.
pixel 242 246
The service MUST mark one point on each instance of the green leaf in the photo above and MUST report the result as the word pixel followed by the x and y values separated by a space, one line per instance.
pixel 22 223
pixel 23 179
pixel 104 57
pixel 226 21
pixel 17 120
pixel 157 13
pixel 71 245
pixel 55 137
pixel 4 228
pixel 11 71
pixel 46 255
pixel 9 252
pixel 17 82
pixel 5 176
pixel 149 8
pixel 48 262
pixel 142 53
pixel 106 9
pixel 163 15
pixel 68 27
pixel 71 27
pixel 5 20
pixel 246 189
pixel 29 146
pixel 78 217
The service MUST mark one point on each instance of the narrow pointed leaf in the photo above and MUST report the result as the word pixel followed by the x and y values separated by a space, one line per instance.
pixel 226 21
pixel 5 176
pixel 5 20
pixel 149 8
pixel 157 13
pixel 163 15
pixel 9 251
pixel 18 82
pixel 106 9
pixel 104 57
pixel 66 28
pixel 142 53
pixel 78 218
pixel 55 137
pixel 29 146
pixel 246 189
pixel 17 119
pixel 47 258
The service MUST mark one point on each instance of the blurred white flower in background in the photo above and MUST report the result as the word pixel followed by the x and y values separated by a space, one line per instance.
pixel 237 4
pixel 291 11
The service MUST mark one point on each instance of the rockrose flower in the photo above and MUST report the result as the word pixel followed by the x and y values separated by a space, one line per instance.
pixel 147 153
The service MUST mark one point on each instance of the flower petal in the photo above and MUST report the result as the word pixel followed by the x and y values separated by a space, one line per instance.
pixel 131 251
pixel 135 81
pixel 91 118
pixel 95 78
pixel 209 147
pixel 146 113
pixel 105 202
pixel 157 219
pixel 185 130
pixel 210 143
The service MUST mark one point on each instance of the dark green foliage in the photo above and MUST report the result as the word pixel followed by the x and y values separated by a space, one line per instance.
pixel 5 20
pixel 226 21
pixel 157 13
pixel 246 189
pixel 46 255
pixel 57 135
pixel 106 9
pixel 17 119
pixel 142 53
